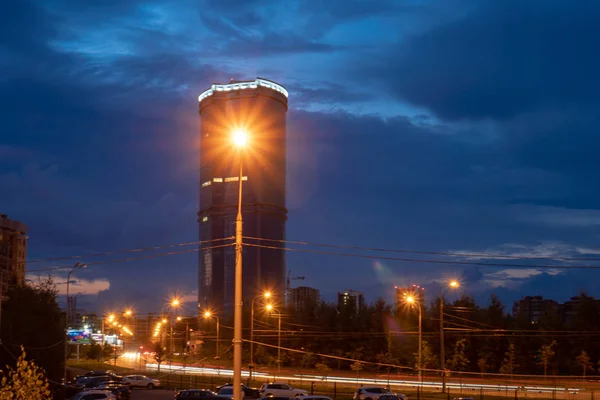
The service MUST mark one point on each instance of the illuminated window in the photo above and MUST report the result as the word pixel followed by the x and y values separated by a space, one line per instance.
pixel 204 219
pixel 244 178
pixel 231 179
pixel 207 183
pixel 243 85
pixel 217 179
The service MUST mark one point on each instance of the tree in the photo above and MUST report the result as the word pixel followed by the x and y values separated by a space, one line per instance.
pixel 509 364
pixel 307 359
pixel 545 354
pixel 459 361
pixel 482 364
pixel 323 369
pixel 160 355
pixel 31 318
pixel 429 359
pixel 26 381
pixel 357 366
pixel 94 352
pixel 584 360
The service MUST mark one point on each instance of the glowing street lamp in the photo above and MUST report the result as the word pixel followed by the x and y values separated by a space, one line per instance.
pixel 240 137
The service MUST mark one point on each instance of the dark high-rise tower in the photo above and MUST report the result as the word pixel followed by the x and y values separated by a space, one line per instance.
pixel 259 107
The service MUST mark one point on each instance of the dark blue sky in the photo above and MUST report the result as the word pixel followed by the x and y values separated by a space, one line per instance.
pixel 438 125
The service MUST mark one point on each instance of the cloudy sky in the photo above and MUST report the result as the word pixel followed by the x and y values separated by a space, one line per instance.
pixel 421 125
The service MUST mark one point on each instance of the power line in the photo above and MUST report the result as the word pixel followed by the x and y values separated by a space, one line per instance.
pixel 481 264
pixel 439 253
pixel 135 250
pixel 132 258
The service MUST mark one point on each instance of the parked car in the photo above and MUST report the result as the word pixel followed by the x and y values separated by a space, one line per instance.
pixel 227 391
pixel 249 393
pixel 281 390
pixel 94 394
pixel 100 372
pixel 395 396
pixel 92 381
pixel 199 394
pixel 141 381
pixel 371 393
pixel 315 397
pixel 121 391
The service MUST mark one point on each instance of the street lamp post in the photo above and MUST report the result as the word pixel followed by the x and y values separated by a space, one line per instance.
pixel 208 314
pixel 240 138
pixel 76 267
pixel 412 301
pixel 265 295
pixel 451 285
pixel 270 308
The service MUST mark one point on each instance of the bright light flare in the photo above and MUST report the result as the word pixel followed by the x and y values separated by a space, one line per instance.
pixel 454 284
pixel 410 299
pixel 164 321
pixel 111 317
pixel 267 295
pixel 269 307
pixel 128 313
pixel 240 137
pixel 175 302
pixel 207 314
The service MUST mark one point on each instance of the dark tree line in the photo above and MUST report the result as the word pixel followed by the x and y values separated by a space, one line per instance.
pixel 478 339
pixel 31 318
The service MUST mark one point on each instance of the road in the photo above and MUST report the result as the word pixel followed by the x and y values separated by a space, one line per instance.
pixel 158 394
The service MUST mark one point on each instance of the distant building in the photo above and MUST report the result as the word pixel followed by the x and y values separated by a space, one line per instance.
pixel 258 106
pixel 572 307
pixel 533 307
pixel 302 296
pixel 145 324
pixel 416 291
pixel 13 252
pixel 351 298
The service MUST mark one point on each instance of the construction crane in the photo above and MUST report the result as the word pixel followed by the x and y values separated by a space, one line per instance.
pixel 288 284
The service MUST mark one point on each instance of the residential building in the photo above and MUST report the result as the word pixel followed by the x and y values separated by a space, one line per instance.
pixel 351 299
pixel 533 307
pixel 13 252
pixel 259 107
pixel 303 296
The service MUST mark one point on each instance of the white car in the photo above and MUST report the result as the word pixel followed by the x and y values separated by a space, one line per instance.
pixel 371 393
pixel 94 394
pixel 140 381
pixel 281 390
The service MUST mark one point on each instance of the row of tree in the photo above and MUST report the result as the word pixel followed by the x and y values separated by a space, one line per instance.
pixel 477 339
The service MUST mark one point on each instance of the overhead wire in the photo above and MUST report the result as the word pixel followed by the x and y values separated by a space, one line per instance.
pixel 426 261
pixel 440 253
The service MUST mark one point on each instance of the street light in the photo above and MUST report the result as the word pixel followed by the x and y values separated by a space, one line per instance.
pixel 75 268
pixel 410 299
pixel 265 295
pixel 453 284
pixel 240 138
pixel 270 308
pixel 207 315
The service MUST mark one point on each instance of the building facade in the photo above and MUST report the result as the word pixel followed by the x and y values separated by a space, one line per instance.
pixel 351 299
pixel 303 296
pixel 533 307
pixel 258 107
pixel 13 252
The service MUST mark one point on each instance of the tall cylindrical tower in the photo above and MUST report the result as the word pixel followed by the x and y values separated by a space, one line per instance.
pixel 259 107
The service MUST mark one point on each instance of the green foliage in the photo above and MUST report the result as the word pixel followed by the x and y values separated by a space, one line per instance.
pixel 429 360
pixel 323 368
pixel 31 318
pixel 583 359
pixel 357 366
pixel 459 361
pixel 160 355
pixel 509 363
pixel 545 355
pixel 24 382
pixel 94 352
